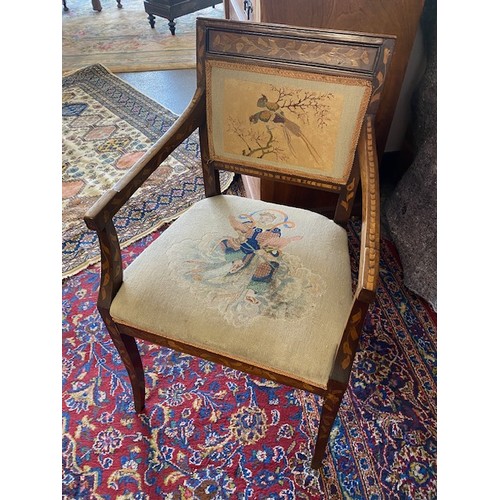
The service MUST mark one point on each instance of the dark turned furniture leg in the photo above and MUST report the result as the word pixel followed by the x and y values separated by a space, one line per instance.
pixel 64 5
pixel 135 371
pixel 119 4
pixel 96 5
pixel 151 20
pixel 171 25
pixel 131 358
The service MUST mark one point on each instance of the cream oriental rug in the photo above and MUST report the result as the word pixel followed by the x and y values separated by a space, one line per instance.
pixel 107 125
pixel 122 39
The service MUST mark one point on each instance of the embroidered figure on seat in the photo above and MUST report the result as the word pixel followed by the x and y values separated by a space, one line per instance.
pixel 248 274
pixel 259 238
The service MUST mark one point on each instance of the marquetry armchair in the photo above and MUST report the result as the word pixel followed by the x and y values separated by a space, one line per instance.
pixel 259 287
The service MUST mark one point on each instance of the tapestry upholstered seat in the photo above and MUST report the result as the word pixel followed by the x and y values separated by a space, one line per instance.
pixel 256 286
pixel 280 303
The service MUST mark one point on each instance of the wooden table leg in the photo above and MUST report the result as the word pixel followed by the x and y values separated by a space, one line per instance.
pixel 171 25
pixel 96 5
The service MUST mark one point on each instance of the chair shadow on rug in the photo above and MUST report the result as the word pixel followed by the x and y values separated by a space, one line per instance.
pixel 259 287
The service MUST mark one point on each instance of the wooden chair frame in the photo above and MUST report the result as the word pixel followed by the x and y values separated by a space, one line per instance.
pixel 365 169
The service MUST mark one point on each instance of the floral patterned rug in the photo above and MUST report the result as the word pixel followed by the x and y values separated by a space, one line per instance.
pixel 122 39
pixel 212 432
pixel 107 125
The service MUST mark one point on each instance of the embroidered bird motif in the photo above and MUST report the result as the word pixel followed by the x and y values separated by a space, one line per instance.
pixel 263 102
pixel 274 113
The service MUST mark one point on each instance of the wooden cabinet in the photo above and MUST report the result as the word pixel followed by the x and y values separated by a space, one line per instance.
pixel 400 18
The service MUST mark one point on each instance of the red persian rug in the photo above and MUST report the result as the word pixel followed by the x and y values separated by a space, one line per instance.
pixel 210 432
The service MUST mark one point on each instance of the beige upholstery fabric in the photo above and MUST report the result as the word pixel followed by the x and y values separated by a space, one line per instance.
pixel 260 282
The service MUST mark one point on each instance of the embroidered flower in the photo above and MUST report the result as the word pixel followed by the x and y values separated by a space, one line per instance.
pixel 264 455
pixel 67 367
pixel 174 395
pixel 278 454
pixel 419 472
pixel 81 396
pixel 90 329
pixel 131 465
pixel 108 441
pixel 285 431
pixel 267 478
pixel 106 418
pixel 211 439
pixel 196 458
pixel 182 430
pixel 211 483
pixel 206 366
pixel 248 425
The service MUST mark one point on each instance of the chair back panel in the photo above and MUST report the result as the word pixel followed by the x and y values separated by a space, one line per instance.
pixel 288 103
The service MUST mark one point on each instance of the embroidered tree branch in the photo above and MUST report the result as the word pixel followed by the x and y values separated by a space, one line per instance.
pixel 257 143
pixel 305 104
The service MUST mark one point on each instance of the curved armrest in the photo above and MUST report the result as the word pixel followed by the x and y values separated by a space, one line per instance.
pixel 369 255
pixel 98 216
pixel 370 225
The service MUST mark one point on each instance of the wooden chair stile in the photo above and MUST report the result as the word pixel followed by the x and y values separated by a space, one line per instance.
pixel 337 76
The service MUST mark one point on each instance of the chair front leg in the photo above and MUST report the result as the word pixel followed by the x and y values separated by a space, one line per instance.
pixel 131 358
pixel 331 405
pixel 111 281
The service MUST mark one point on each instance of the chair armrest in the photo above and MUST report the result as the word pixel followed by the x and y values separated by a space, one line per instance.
pixel 98 216
pixel 370 225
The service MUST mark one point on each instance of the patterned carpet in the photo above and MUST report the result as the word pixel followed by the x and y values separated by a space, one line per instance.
pixel 122 39
pixel 107 126
pixel 212 432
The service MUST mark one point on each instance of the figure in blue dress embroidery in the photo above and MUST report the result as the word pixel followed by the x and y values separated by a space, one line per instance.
pixel 259 238
pixel 248 275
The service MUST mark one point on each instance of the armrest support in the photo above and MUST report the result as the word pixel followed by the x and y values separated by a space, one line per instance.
pixel 111 267
pixel 101 213
pixel 370 225
pixel 369 254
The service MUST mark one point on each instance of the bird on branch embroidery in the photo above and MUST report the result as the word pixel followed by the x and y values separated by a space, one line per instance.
pixel 273 113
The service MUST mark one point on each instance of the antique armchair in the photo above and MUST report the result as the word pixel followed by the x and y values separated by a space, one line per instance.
pixel 259 287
